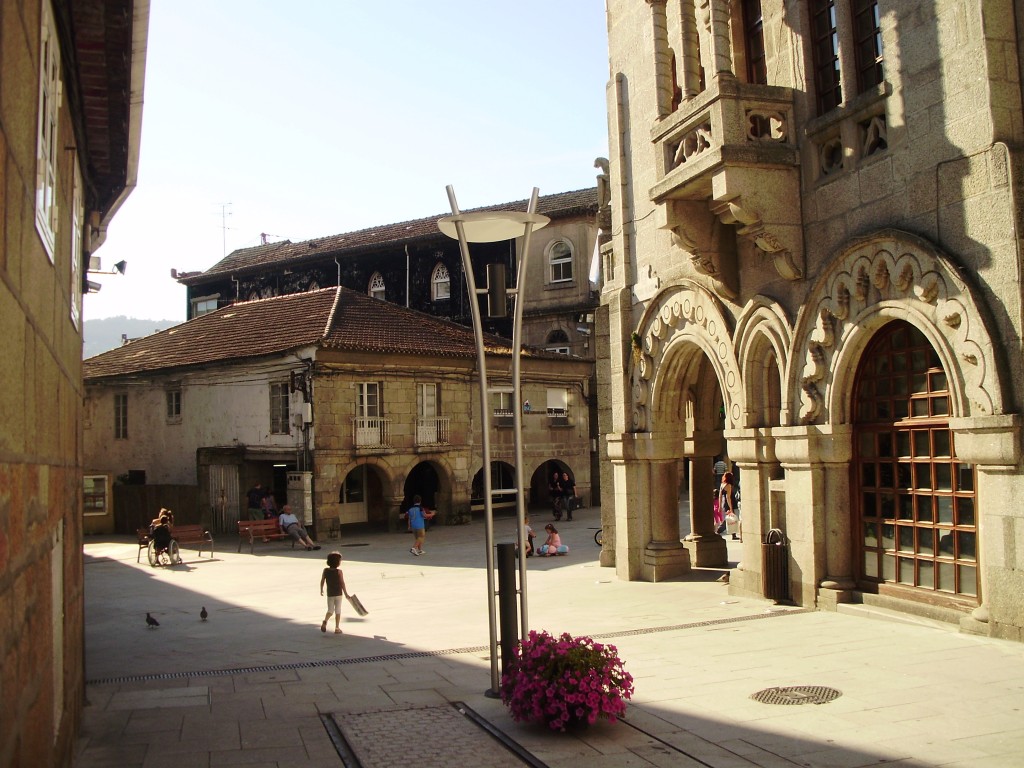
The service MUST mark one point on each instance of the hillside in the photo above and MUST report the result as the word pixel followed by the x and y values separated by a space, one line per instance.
pixel 106 333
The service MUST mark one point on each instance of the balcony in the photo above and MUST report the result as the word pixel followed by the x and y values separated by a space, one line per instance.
pixel 558 417
pixel 503 417
pixel 371 432
pixel 432 430
pixel 731 153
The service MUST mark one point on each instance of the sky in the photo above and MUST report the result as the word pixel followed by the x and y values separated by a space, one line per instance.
pixel 318 117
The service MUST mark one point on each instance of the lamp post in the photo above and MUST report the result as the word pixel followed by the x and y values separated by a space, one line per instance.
pixel 490 227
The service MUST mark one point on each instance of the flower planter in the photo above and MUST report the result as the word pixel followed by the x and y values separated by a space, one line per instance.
pixel 565 682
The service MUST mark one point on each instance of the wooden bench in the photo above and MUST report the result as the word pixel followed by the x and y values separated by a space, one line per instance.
pixel 193 535
pixel 250 530
pixel 183 534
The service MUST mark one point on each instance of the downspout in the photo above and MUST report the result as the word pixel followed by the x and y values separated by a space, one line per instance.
pixel 338 265
pixel 406 276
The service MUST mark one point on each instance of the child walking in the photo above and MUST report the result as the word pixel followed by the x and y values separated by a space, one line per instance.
pixel 335 581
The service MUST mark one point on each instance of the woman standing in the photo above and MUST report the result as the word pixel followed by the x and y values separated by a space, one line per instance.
pixel 727 506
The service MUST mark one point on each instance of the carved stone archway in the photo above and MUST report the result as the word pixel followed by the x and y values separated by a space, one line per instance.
pixel 685 312
pixel 890 274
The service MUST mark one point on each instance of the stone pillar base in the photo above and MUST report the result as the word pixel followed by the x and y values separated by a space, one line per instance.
pixel 661 564
pixel 829 597
pixel 744 583
pixel 707 551
pixel 607 558
pixel 971 626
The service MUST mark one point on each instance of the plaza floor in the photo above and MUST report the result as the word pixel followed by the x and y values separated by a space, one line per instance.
pixel 258 684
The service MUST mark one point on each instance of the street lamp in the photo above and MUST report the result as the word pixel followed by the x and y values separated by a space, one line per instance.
pixel 491 227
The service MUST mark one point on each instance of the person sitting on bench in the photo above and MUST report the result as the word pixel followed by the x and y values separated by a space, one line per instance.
pixel 290 524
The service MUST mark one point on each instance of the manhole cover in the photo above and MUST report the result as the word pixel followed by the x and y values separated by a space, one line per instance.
pixel 797 694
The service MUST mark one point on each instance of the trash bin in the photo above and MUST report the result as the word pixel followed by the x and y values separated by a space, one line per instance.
pixel 775 566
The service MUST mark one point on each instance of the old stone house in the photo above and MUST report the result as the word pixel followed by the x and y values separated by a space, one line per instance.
pixel 70 116
pixel 814 270
pixel 344 404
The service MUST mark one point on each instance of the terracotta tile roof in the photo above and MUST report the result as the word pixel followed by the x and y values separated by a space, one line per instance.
pixel 245 260
pixel 332 318
pixel 246 330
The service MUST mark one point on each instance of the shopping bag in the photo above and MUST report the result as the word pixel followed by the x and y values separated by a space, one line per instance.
pixel 357 605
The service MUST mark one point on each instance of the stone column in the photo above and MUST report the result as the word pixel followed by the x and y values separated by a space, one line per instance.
pixel 993 444
pixel 663 76
pixel 664 556
pixel 706 548
pixel 689 50
pixel 818 521
pixel 753 450
pixel 715 15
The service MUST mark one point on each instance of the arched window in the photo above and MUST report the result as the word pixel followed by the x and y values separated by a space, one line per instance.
pixel 440 283
pixel 559 257
pixel 558 341
pixel 376 289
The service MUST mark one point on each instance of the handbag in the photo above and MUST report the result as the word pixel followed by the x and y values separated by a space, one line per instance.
pixel 732 522
pixel 357 605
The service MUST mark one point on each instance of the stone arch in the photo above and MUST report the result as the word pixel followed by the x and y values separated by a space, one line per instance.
pixel 890 274
pixel 764 341
pixel 682 315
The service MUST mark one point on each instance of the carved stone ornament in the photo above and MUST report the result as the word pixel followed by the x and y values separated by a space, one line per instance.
pixel 753 229
pixel 685 310
pixel 919 284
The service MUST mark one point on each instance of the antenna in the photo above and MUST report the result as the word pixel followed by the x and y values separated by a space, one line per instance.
pixel 224 213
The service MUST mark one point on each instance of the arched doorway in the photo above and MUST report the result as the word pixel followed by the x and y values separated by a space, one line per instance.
pixel 914 511
pixel 361 496
pixel 503 489
pixel 422 481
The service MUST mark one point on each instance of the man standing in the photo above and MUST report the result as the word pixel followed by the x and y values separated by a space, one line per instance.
pixel 254 501
pixel 417 522
pixel 720 469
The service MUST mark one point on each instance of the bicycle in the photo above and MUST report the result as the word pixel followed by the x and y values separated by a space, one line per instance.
pixel 599 537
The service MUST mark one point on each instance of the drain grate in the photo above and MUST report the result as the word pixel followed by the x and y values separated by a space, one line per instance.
pixel 797 694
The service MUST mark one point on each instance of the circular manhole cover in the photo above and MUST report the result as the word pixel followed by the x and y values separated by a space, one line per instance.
pixel 797 694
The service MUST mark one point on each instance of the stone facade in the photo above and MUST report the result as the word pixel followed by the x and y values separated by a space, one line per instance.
pixel 369 403
pixel 55 208
pixel 809 199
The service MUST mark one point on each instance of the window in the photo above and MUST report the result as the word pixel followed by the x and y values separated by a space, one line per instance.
pixel 120 417
pixel 173 396
pixel 94 496
pixel 431 428
pixel 204 305
pixel 825 55
pixel 371 430
pixel 558 400
pixel 279 409
pixel 428 399
pixel 560 261
pixel 368 402
pixel 753 37
pixel 440 283
pixel 558 342
pixel 376 289
pixel 867 32
pixel 47 145
pixel 503 404
pixel 77 216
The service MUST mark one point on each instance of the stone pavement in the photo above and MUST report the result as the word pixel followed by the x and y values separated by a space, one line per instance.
pixel 259 685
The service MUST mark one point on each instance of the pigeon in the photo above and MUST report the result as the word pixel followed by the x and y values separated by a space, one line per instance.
pixel 153 623
pixel 203 614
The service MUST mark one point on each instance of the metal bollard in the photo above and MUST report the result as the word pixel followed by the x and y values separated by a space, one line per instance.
pixel 507 613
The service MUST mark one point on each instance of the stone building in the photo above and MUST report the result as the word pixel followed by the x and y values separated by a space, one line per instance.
pixel 71 78
pixel 814 269
pixel 413 264
pixel 345 405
